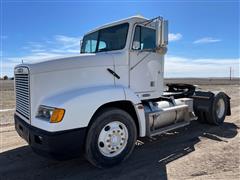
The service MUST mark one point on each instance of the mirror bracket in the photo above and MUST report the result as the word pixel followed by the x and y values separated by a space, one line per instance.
pixel 161 50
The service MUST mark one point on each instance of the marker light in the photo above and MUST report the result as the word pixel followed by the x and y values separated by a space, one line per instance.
pixel 53 115
pixel 57 115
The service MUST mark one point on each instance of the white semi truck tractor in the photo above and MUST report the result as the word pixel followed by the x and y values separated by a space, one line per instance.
pixel 99 102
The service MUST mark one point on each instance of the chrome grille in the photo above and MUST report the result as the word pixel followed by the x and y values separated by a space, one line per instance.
pixel 22 94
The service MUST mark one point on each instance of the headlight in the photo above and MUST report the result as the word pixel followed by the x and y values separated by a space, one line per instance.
pixel 51 114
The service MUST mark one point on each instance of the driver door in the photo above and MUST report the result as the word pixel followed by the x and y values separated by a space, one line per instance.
pixel 146 66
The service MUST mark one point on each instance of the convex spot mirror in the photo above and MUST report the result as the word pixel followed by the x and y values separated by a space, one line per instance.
pixel 136 45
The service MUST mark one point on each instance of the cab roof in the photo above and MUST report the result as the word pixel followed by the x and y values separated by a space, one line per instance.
pixel 131 20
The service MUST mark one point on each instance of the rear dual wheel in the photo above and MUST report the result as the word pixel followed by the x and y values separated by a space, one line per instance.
pixel 219 111
pixel 111 138
pixel 215 111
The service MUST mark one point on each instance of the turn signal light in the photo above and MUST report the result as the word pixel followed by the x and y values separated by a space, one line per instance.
pixel 57 115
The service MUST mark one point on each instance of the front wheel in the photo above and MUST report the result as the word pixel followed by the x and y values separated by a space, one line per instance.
pixel 111 138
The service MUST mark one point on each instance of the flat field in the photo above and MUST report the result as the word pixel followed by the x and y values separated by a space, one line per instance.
pixel 198 151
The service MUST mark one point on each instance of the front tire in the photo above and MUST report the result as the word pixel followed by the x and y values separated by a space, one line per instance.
pixel 111 138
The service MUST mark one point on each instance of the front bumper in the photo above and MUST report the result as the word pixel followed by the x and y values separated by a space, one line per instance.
pixel 59 144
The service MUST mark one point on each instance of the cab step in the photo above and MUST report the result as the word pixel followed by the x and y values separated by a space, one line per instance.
pixel 168 128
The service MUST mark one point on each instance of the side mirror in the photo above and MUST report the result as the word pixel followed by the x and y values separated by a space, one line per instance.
pixel 161 35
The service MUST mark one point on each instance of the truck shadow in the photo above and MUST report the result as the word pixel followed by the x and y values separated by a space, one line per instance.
pixel 148 161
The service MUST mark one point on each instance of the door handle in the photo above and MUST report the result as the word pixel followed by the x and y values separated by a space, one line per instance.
pixel 113 73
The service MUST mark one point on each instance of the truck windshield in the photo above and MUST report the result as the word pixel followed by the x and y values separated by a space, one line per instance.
pixel 108 39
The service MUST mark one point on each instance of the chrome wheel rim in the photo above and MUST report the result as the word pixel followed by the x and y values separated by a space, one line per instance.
pixel 220 108
pixel 113 139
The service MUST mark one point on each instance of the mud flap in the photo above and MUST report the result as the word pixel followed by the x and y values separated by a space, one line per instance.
pixel 204 106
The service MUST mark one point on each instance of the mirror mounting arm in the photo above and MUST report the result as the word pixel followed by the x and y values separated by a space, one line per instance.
pixel 162 50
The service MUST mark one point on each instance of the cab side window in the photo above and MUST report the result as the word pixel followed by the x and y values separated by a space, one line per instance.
pixel 144 38
pixel 90 43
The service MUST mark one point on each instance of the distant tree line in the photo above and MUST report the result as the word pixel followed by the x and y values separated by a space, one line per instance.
pixel 6 78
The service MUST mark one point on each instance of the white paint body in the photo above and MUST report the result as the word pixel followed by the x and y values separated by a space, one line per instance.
pixel 81 84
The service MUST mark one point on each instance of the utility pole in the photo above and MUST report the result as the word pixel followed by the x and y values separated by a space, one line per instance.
pixel 233 73
pixel 230 75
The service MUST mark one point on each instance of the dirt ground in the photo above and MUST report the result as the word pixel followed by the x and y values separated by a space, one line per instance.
pixel 198 151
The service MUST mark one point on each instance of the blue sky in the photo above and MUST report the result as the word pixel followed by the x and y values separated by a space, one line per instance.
pixel 204 35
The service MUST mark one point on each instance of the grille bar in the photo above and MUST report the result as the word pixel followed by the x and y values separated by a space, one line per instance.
pixel 22 92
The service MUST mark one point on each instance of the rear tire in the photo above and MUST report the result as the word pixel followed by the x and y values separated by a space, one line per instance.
pixel 219 109
pixel 111 138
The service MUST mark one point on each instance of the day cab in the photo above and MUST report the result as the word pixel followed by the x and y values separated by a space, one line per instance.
pixel 99 102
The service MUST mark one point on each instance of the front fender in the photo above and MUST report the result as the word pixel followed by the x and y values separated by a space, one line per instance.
pixel 81 104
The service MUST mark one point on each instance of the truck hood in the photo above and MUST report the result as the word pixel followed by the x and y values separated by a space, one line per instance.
pixel 69 62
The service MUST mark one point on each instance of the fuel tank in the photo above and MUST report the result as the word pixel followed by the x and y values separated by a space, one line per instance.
pixel 164 113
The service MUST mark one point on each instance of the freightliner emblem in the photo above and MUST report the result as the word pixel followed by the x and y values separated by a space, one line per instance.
pixel 21 70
